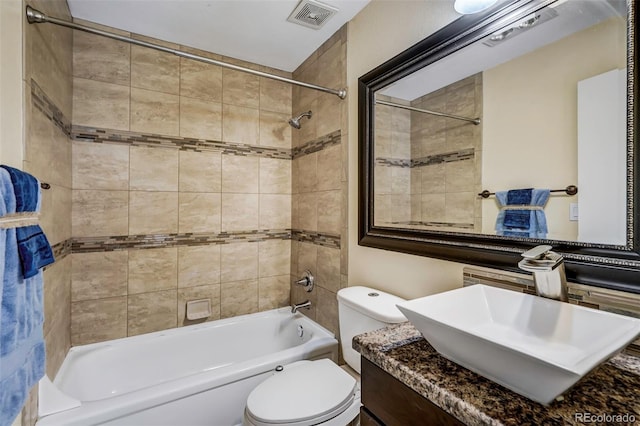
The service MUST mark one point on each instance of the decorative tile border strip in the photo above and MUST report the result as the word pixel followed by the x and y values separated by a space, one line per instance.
pixel 317 238
pixel 436 224
pixel 126 242
pixel 44 104
pixel 98 135
pixel 140 242
pixel 61 249
pixel 598 298
pixel 151 241
pixel 318 144
pixel 498 278
pixel 449 157
pixel 393 162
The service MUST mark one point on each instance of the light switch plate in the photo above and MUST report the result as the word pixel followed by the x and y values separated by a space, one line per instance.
pixel 573 212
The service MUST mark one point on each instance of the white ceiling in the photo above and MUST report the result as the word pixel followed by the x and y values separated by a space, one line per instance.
pixel 252 30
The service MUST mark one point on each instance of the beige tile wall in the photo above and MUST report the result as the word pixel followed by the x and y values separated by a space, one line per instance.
pixel 47 53
pixel 393 185
pixel 122 190
pixel 447 192
pixel 48 61
pixel 443 192
pixel 319 181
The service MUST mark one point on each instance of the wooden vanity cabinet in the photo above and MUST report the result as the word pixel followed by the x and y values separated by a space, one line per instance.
pixel 388 401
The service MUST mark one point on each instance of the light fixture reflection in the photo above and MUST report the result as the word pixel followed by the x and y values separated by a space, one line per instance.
pixel 467 7
pixel 530 22
pixel 502 35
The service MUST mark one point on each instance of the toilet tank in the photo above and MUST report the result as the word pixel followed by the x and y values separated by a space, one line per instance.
pixel 362 309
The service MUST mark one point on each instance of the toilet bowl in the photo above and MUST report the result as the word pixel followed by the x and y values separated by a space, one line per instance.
pixel 307 393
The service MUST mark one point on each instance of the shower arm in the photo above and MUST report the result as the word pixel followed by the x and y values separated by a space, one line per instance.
pixel 475 121
pixel 36 17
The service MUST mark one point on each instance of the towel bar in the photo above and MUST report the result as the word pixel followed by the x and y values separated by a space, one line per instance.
pixel 569 190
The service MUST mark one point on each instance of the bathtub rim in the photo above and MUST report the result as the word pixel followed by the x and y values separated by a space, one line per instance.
pixel 188 328
pixel 319 346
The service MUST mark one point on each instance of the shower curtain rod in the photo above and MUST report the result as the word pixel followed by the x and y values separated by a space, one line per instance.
pixel 36 17
pixel 475 121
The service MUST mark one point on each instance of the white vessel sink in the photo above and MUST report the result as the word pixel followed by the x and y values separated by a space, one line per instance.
pixel 534 346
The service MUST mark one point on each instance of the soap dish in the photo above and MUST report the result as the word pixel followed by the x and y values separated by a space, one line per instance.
pixel 198 309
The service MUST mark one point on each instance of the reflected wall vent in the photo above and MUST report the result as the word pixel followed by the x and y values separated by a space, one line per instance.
pixel 312 14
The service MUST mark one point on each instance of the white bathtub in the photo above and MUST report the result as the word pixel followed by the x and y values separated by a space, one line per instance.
pixel 196 375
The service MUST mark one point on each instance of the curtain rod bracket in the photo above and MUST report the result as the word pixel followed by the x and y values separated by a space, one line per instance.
pixel 34 16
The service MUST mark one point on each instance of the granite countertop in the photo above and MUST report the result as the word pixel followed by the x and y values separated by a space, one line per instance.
pixel 611 389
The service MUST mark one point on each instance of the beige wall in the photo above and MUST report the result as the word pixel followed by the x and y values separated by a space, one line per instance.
pixel 530 119
pixel 373 39
pixel 11 116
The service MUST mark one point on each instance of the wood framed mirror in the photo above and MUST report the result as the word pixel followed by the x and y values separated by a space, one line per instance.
pixel 529 98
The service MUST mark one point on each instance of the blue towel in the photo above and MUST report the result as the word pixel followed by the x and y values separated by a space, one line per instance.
pixel 522 222
pixel 22 350
pixel 33 246
pixel 518 219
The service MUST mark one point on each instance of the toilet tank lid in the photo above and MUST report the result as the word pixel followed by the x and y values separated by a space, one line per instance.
pixel 373 303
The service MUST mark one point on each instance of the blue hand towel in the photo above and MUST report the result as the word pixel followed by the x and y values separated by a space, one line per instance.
pixel 22 349
pixel 521 221
pixel 518 219
pixel 33 246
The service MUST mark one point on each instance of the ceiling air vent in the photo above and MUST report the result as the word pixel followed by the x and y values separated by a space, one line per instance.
pixel 311 14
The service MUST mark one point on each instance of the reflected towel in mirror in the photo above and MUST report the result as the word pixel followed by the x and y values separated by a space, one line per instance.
pixel 522 213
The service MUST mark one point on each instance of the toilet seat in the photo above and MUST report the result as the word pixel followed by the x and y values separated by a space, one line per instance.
pixel 305 393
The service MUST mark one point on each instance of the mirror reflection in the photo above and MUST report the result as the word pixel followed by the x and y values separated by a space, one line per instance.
pixel 524 113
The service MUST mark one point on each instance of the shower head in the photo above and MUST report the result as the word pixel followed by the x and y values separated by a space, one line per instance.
pixel 295 121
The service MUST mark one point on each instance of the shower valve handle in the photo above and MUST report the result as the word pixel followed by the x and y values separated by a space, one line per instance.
pixel 307 281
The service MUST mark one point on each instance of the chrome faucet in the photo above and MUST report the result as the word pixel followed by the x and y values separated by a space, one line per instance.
pixel 548 272
pixel 306 304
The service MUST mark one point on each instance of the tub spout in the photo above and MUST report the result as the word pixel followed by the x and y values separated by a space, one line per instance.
pixel 306 304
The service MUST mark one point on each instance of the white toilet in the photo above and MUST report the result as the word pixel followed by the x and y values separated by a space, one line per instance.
pixel 319 392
